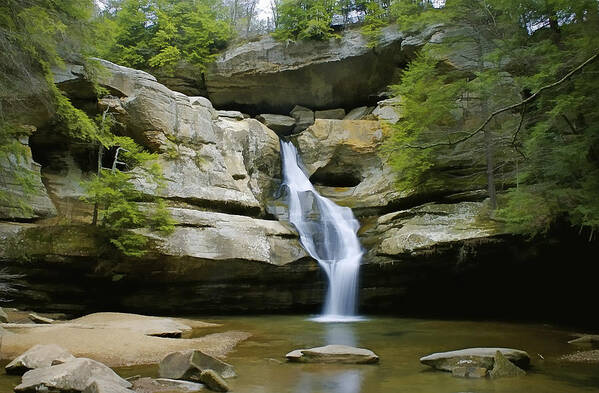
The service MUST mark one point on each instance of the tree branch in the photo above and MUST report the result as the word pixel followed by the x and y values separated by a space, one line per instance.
pixel 509 108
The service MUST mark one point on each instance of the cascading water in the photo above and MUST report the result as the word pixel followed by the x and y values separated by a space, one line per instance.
pixel 329 233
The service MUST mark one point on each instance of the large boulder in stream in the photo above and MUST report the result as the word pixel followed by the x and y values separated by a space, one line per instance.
pixel 38 356
pixel 72 376
pixel 333 354
pixel 190 364
pixel 474 357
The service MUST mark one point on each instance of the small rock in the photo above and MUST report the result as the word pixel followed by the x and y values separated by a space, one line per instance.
pixel 151 385
pixel 333 354
pixel 189 364
pixel 359 113
pixel 474 357
pixel 101 386
pixel 330 114
pixel 469 372
pixel 213 381
pixel 586 339
pixel 3 316
pixel 39 319
pixel 37 357
pixel 231 114
pixel 504 368
pixel 387 113
pixel 304 118
pixel 74 375
pixel 280 124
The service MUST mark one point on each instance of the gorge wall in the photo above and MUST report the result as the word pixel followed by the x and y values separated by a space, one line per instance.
pixel 428 250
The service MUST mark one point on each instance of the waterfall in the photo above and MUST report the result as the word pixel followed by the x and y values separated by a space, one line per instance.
pixel 328 232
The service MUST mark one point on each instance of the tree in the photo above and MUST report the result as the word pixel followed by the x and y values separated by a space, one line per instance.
pixel 114 191
pixel 535 47
pixel 304 19
pixel 160 34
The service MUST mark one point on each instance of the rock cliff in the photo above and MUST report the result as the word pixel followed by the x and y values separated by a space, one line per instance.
pixel 231 250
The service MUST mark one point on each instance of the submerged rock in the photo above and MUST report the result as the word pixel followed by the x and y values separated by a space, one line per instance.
pixel 469 372
pixel 190 364
pixel 102 386
pixel 585 339
pixel 333 354
pixel 39 356
pixel 474 357
pixel 151 385
pixel 504 368
pixel 75 375
pixel 213 381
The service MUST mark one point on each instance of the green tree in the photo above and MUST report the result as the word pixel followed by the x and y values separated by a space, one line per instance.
pixel 533 47
pixel 113 190
pixel 305 19
pixel 160 34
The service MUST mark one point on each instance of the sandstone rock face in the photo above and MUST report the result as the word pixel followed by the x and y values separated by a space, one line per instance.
pixel 39 356
pixel 24 195
pixel 74 375
pixel 341 156
pixel 432 224
pixel 333 354
pixel 474 357
pixel 315 74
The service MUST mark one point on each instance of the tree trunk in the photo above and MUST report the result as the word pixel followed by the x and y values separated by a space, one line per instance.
pixel 490 169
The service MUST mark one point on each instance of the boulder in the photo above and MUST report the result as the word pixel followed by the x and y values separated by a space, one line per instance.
pixel 205 103
pixel 3 316
pixel 333 354
pixel 304 118
pixel 74 375
pixel 585 339
pixel 330 114
pixel 213 381
pixel 281 124
pixel 39 356
pixel 502 367
pixel 151 385
pixel 39 319
pixel 474 357
pixel 469 372
pixel 231 114
pixel 102 386
pixel 359 113
pixel 388 110
pixel 423 227
pixel 188 365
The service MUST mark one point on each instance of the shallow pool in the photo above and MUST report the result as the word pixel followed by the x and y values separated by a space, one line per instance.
pixel 261 365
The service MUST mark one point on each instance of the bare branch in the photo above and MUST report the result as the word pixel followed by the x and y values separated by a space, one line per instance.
pixel 509 108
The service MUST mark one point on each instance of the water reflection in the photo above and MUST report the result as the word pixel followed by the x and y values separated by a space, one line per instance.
pixel 341 334
pixel 347 381
pixel 336 380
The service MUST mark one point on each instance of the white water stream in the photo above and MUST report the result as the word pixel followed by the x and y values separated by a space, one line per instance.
pixel 329 233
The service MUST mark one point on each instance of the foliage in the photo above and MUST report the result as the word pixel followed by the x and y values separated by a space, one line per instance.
pixel 551 143
pixel 159 34
pixel 36 35
pixel 118 197
pixel 305 19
